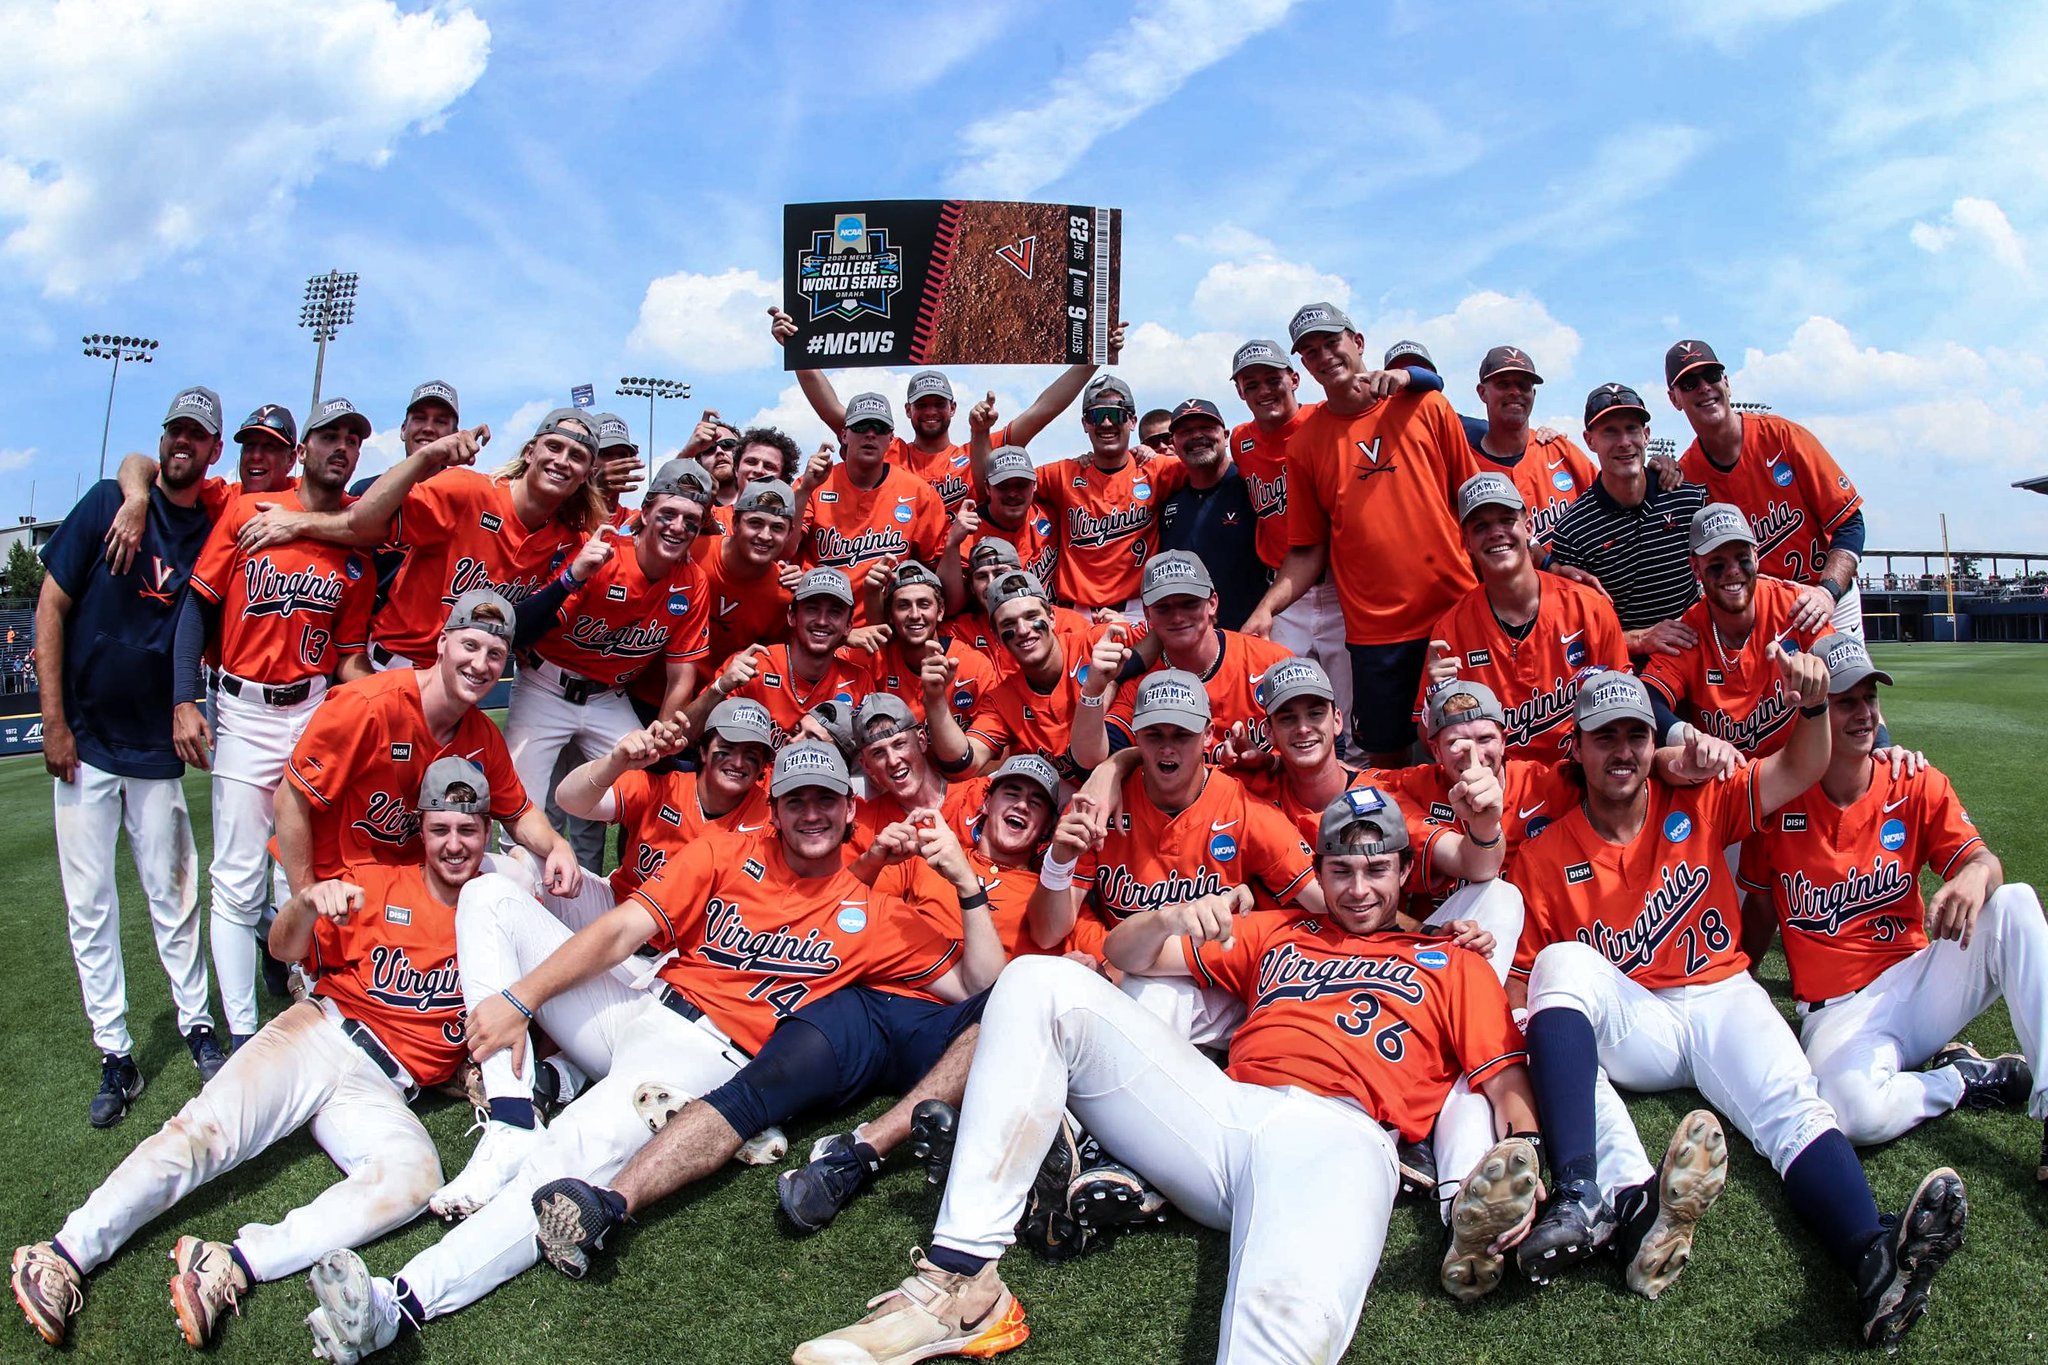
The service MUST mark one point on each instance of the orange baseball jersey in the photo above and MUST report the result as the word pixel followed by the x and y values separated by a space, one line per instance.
pixel 1845 882
pixel 362 758
pixel 1389 1020
pixel 972 677
pixel 1549 476
pixel 1271 786
pixel 1532 796
pixel 960 809
pixel 1262 456
pixel 1016 718
pixel 392 966
pixel 1009 899
pixel 744 611
pixel 1737 696
pixel 1106 525
pixel 1241 661
pixel 850 528
pixel 289 612
pixel 1789 487
pixel 717 526
pixel 1226 837
pixel 1575 635
pixel 217 495
pixel 463 534
pixel 972 626
pixel 1035 541
pixel 1661 907
pixel 755 942
pixel 846 679
pixel 950 472
pixel 1382 484
pixel 661 814
pixel 620 622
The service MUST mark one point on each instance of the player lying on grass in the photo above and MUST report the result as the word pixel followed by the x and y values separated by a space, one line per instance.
pixel 1351 1025
pixel 384 1020
pixel 759 929
pixel 1635 977
pixel 1883 980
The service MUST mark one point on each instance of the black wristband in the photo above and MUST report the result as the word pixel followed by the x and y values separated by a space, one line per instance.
pixel 1834 589
pixel 977 901
pixel 952 766
pixel 1815 711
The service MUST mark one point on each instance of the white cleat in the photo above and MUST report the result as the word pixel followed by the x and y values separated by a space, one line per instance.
pixel 499 1154
pixel 1694 1173
pixel 764 1148
pixel 1498 1196
pixel 657 1103
pixel 358 1313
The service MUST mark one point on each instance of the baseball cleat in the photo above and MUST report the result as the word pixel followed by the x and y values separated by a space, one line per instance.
pixel 499 1154
pixel 1047 1226
pixel 2001 1082
pixel 1417 1161
pixel 1577 1222
pixel 934 1125
pixel 812 1195
pixel 206 1053
pixel 1694 1173
pixel 120 1083
pixel 573 1217
pixel 932 1313
pixel 764 1148
pixel 556 1081
pixel 1496 1198
pixel 1112 1198
pixel 656 1104
pixel 49 1289
pixel 205 1284
pixel 358 1313
pixel 1893 1282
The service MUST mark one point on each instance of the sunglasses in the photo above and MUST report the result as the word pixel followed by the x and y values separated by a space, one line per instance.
pixel 729 443
pixel 871 428
pixel 1159 440
pixel 1705 374
pixel 1116 415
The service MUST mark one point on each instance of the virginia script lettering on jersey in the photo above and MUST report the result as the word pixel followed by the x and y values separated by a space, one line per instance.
pixel 1827 909
pixel 1123 895
pixel 271 593
pixel 728 942
pixel 1086 530
pixel 1679 893
pixel 1286 973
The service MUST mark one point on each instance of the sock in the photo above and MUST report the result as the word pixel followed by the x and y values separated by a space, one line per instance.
pixel 1563 1063
pixel 69 1259
pixel 518 1113
pixel 410 1314
pixel 1828 1190
pixel 241 1263
pixel 959 1262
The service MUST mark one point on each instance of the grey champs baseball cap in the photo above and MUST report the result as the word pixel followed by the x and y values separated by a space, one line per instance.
pixel 1010 463
pixel 1356 806
pixel 1476 702
pixel 463 615
pixel 1031 768
pixel 1488 489
pixel 683 478
pixel 1176 573
pixel 1313 318
pixel 199 403
pixel 1614 398
pixel 272 420
pixel 927 384
pixel 1508 360
pixel 1408 350
pixel 1716 525
pixel 1012 586
pixel 1172 696
pixel 741 720
pixel 869 407
pixel 1259 351
pixel 455 784
pixel 881 715
pixel 1848 662
pixel 836 717
pixel 339 412
pixel 435 391
pixel 822 582
pixel 771 496
pixel 1102 384
pixel 1610 696
pixel 809 763
pixel 911 574
pixel 993 550
pixel 571 424
pixel 1290 678
pixel 612 432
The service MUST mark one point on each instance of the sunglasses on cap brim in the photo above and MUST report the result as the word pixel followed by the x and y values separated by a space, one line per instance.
pixel 1705 374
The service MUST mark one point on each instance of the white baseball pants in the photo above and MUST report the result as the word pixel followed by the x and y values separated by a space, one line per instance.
pixel 91 812
pixel 252 743
pixel 1727 1039
pixel 1313 628
pixel 624 1036
pixel 1254 1160
pixel 1848 616
pixel 541 722
pixel 300 1070
pixel 1864 1049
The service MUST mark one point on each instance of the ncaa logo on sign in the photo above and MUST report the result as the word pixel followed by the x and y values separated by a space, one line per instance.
pixel 1677 827
pixel 1436 959
pixel 850 229
pixel 1892 835
pixel 1223 848
pixel 1781 475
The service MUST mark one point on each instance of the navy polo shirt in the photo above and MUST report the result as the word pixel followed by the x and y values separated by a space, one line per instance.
pixel 117 637
pixel 1219 525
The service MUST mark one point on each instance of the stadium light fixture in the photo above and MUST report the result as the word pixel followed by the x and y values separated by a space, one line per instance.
pixel 651 388
pixel 329 306
pixel 134 350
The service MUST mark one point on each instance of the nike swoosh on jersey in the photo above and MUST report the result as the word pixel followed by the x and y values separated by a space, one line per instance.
pixel 1890 806
pixel 1525 814
pixel 1557 462
pixel 1221 824
pixel 747 829
pixel 1567 639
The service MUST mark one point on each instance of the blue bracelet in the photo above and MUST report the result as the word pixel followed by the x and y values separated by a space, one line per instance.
pixel 513 1000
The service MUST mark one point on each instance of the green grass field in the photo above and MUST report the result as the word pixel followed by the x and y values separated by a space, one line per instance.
pixel 713 1277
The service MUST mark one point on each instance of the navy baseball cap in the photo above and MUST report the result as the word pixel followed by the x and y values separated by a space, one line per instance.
pixel 1196 407
pixel 272 420
pixel 1508 360
pixel 1614 398
pixel 1685 356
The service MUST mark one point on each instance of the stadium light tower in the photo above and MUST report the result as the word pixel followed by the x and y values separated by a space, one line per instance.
pixel 330 305
pixel 650 388
pixel 1751 407
pixel 134 350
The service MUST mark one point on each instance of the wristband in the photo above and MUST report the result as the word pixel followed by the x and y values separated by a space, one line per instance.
pixel 1054 875
pixel 977 901
pixel 1095 703
pixel 1835 590
pixel 568 582
pixel 1478 842
pixel 953 766
pixel 1815 711
pixel 513 1000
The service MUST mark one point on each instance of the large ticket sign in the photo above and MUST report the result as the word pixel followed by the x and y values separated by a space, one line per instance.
pixel 948 282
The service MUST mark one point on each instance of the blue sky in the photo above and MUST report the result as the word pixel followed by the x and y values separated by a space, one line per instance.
pixel 1849 201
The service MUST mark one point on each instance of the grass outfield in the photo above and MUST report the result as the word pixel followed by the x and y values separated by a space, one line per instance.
pixel 712 1277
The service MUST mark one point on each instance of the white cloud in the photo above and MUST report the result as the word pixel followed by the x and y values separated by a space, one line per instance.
pixel 708 322
pixel 1727 23
pixel 1162 366
pixel 1481 321
pixel 17 459
pixel 380 452
pixel 1255 294
pixel 1140 66
pixel 132 132
pixel 1823 366
pixel 1980 221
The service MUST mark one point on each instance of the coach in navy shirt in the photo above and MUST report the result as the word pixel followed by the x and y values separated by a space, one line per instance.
pixel 103 647
pixel 1212 515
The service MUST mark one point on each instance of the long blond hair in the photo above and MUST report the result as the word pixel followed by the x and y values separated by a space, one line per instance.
pixel 583 510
